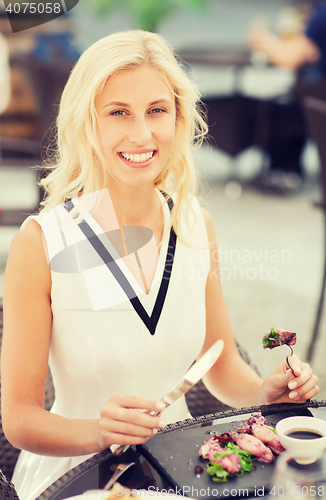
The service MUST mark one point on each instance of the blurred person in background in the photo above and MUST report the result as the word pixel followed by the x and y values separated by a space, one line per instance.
pixel 304 53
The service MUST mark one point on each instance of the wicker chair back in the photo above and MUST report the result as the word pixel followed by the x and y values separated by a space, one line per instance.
pixel 7 489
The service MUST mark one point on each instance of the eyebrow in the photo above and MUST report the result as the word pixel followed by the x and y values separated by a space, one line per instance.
pixel 126 105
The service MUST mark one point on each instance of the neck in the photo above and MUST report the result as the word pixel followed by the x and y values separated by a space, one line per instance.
pixel 135 206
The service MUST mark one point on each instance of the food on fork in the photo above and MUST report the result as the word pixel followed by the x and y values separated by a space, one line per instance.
pixel 278 337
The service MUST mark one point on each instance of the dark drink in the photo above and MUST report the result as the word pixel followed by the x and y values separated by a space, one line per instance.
pixel 304 434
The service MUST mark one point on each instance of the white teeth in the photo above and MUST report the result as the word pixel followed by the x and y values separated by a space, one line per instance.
pixel 137 158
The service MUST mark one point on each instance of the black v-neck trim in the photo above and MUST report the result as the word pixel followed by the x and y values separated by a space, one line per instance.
pixel 149 321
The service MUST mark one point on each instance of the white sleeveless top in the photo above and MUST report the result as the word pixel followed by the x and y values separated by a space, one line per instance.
pixel 103 342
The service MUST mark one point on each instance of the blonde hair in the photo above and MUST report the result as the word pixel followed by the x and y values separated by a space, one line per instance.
pixel 78 165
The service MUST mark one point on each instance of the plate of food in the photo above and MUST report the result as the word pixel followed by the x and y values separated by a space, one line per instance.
pixel 211 457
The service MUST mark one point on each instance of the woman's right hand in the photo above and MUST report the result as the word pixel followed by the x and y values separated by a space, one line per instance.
pixel 125 420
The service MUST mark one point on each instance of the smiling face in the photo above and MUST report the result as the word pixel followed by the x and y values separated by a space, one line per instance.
pixel 136 129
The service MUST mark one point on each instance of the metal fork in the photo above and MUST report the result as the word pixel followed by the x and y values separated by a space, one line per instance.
pixel 287 358
pixel 119 469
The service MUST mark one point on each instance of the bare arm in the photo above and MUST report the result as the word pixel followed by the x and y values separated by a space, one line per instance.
pixel 288 53
pixel 231 379
pixel 24 365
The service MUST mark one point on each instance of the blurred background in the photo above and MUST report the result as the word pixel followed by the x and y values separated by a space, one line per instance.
pixel 262 167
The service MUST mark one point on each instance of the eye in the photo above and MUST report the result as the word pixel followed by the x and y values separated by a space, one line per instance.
pixel 119 112
pixel 157 111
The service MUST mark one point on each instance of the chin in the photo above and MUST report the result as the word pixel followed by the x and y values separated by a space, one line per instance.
pixel 141 180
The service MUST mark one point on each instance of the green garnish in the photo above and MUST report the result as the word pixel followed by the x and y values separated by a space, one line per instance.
pixel 217 472
pixel 221 475
pixel 272 335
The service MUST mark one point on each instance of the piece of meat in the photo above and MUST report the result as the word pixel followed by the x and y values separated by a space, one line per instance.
pixel 258 426
pixel 277 337
pixel 268 437
pixel 211 446
pixel 245 429
pixel 253 445
pixel 212 452
pixel 254 419
pixel 231 463
pixel 257 418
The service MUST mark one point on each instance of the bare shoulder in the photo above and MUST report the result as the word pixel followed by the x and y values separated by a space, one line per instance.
pixel 27 262
pixel 209 225
pixel 32 230
pixel 28 244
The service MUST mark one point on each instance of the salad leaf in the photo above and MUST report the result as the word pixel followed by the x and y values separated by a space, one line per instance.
pixel 219 474
pixel 234 448
pixel 272 335
pixel 246 465
pixel 217 471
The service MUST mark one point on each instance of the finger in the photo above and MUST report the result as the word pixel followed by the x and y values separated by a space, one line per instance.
pixel 308 395
pixel 132 416
pixel 295 364
pixel 114 426
pixel 302 390
pixel 127 401
pixel 290 375
pixel 306 375
pixel 107 439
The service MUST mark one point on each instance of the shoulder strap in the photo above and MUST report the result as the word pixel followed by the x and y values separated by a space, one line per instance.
pixel 168 199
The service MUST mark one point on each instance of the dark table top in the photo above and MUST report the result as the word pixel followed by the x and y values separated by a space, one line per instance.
pixel 166 461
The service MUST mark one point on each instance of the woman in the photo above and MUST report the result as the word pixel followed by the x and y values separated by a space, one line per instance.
pixel 132 295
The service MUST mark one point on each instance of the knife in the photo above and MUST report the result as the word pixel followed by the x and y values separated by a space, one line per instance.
pixel 193 375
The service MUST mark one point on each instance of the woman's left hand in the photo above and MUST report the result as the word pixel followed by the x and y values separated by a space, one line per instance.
pixel 285 386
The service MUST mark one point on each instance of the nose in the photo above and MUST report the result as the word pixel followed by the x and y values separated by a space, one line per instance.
pixel 140 132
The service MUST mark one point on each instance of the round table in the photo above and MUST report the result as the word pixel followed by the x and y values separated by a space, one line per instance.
pixel 166 462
